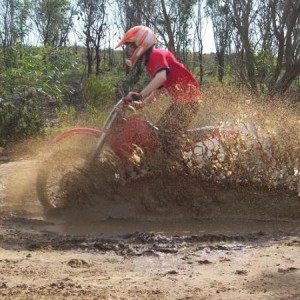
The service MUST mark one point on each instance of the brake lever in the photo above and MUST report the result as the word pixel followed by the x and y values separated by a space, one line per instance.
pixel 128 106
pixel 131 108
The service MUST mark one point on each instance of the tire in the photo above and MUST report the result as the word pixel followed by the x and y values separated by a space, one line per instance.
pixel 62 181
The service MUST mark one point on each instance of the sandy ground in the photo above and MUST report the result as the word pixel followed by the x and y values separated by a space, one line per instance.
pixel 239 245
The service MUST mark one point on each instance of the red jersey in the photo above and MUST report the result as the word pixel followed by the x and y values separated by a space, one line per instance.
pixel 180 83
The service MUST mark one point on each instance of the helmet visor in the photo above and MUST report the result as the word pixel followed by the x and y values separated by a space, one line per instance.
pixel 129 49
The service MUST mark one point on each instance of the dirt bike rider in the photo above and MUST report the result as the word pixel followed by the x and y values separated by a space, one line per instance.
pixel 167 75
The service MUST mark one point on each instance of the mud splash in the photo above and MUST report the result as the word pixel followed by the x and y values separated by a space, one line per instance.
pixel 252 180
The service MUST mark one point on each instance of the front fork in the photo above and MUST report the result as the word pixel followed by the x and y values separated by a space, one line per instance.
pixel 107 130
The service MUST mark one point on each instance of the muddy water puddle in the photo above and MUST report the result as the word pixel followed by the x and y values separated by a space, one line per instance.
pixel 116 220
pixel 174 226
pixel 206 211
pixel 92 224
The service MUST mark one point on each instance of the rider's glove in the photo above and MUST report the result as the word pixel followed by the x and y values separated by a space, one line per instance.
pixel 132 96
pixel 132 99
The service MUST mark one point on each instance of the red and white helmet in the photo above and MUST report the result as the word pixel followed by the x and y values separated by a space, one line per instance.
pixel 143 37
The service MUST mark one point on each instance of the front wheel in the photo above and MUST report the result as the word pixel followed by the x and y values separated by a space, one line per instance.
pixel 63 181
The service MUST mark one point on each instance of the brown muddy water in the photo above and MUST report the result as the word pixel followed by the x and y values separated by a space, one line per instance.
pixel 173 207
pixel 175 226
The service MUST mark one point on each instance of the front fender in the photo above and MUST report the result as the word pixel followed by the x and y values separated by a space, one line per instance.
pixel 75 131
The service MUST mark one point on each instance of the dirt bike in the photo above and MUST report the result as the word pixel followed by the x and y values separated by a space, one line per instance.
pixel 70 169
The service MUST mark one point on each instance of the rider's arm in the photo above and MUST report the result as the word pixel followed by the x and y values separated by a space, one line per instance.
pixel 157 82
pixel 149 92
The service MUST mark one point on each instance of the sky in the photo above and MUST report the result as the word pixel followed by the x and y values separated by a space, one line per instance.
pixel 208 37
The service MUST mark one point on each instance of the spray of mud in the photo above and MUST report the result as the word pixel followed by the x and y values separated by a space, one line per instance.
pixel 252 171
pixel 18 178
pixel 266 149
pixel 262 148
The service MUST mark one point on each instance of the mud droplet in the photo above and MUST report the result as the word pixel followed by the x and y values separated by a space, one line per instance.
pixel 204 262
pixel 78 263
pixel 241 272
pixel 173 272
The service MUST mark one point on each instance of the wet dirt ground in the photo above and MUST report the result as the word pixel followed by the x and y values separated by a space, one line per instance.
pixel 240 243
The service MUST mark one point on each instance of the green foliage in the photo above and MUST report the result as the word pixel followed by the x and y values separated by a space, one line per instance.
pixel 40 69
pixel 8 58
pixel 94 117
pixel 99 91
pixel 265 63
pixel 19 121
pixel 66 113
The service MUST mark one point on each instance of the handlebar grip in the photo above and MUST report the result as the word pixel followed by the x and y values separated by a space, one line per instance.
pixel 132 97
pixel 137 97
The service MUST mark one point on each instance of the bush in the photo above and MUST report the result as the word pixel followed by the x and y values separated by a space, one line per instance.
pixel 39 69
pixel 66 113
pixel 20 120
pixel 99 92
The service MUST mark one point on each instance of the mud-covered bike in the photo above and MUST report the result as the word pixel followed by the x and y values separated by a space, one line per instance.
pixel 68 172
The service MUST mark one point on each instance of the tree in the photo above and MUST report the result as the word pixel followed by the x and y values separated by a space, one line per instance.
pixel 14 26
pixel 285 16
pixel 243 14
pixel 218 10
pixel 129 13
pixel 53 20
pixel 267 48
pixel 173 23
pixel 93 14
pixel 167 19
pixel 198 37
pixel 13 22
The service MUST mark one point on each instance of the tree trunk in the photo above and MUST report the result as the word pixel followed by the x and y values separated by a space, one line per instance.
pixel 288 77
pixel 171 45
pixel 221 65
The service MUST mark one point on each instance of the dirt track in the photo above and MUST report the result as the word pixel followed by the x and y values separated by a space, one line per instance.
pixel 239 244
